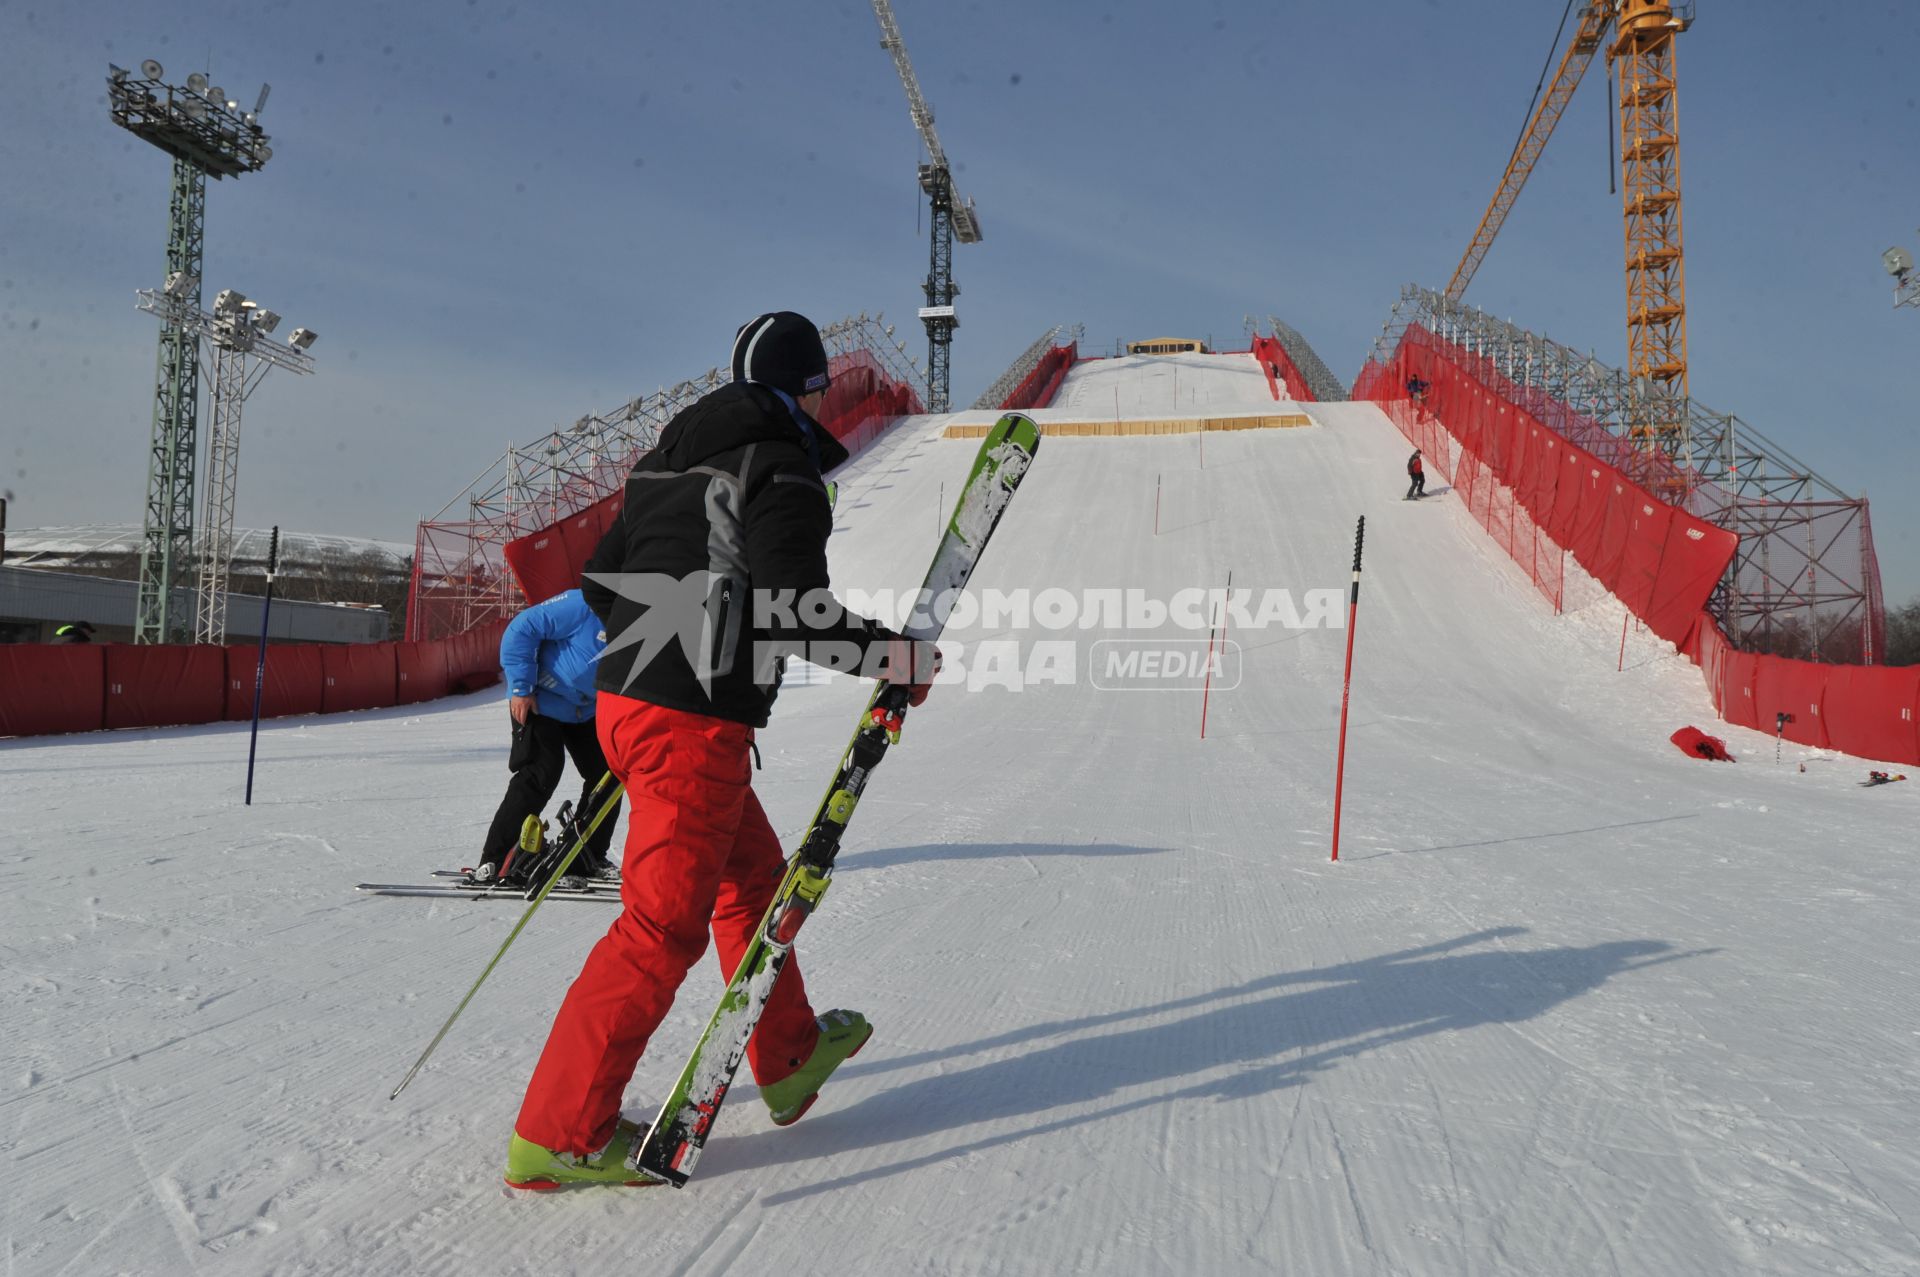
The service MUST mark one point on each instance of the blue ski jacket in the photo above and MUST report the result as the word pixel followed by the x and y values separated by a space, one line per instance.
pixel 551 652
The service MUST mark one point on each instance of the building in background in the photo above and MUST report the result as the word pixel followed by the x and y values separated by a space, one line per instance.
pixel 329 589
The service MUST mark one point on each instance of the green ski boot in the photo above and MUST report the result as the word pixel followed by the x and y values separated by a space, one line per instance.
pixel 533 1167
pixel 842 1034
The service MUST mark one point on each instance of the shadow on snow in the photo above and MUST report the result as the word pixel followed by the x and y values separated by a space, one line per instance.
pixel 888 857
pixel 1278 1030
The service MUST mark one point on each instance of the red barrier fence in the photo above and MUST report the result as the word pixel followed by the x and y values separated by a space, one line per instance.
pixel 295 681
pixel 52 688
pixel 47 688
pixel 1037 388
pixel 1279 367
pixel 1536 492
pixel 1661 561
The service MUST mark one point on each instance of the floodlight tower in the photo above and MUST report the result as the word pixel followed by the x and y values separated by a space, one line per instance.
pixel 205 133
pixel 1906 283
pixel 243 354
pixel 953 217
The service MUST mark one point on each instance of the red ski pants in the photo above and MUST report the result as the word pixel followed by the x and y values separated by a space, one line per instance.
pixel 699 854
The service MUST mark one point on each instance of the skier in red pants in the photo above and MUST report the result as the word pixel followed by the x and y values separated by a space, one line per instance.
pixel 715 571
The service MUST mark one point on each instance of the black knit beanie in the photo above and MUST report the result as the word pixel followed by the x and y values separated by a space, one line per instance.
pixel 783 350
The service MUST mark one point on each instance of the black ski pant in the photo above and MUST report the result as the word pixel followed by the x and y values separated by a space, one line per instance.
pixel 545 746
pixel 1418 488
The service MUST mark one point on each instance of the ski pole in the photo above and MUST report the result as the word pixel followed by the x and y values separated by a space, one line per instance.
pixel 519 926
pixel 1206 690
pixel 260 670
pixel 1346 691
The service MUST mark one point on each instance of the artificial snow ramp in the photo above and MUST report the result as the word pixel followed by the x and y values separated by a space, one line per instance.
pixel 1571 1002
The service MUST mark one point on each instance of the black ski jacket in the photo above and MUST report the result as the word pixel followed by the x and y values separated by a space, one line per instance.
pixel 728 510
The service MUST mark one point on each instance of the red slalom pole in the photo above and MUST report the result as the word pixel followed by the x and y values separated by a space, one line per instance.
pixel 1346 691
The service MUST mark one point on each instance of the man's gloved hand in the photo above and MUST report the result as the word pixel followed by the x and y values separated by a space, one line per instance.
pixel 912 664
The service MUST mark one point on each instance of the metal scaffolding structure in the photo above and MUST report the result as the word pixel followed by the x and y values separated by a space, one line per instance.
pixel 243 353
pixel 205 133
pixel 1026 362
pixel 460 576
pixel 1804 581
pixel 237 330
pixel 1326 387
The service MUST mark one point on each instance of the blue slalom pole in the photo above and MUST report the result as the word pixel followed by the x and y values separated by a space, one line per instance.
pixel 260 670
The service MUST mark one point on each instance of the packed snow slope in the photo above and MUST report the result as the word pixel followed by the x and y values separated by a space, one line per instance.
pixel 1570 1002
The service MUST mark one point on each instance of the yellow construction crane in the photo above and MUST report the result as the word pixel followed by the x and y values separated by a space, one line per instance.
pixel 1638 36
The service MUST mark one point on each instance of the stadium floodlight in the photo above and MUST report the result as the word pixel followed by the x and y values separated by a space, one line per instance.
pixel 1898 262
pixel 177 120
pixel 303 338
pixel 202 142
pixel 243 353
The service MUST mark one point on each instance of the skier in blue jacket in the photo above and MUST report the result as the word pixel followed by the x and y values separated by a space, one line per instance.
pixel 550 655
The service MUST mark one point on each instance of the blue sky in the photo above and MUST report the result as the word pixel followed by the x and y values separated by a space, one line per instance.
pixel 500 216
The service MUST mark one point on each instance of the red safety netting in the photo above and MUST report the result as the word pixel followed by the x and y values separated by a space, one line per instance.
pixel 1661 561
pixel 1280 370
pixel 1038 387
pixel 1540 477
pixel 549 561
pixel 460 578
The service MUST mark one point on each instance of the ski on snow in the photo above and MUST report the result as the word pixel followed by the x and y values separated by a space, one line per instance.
pixel 678 1135
pixel 596 890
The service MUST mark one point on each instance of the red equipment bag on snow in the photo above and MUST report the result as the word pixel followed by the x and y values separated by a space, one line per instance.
pixel 1692 740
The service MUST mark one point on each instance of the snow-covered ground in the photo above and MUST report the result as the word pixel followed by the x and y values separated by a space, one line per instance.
pixel 1570 1002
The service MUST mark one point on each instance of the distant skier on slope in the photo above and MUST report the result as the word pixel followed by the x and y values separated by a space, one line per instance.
pixel 729 510
pixel 548 655
pixel 1416 477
